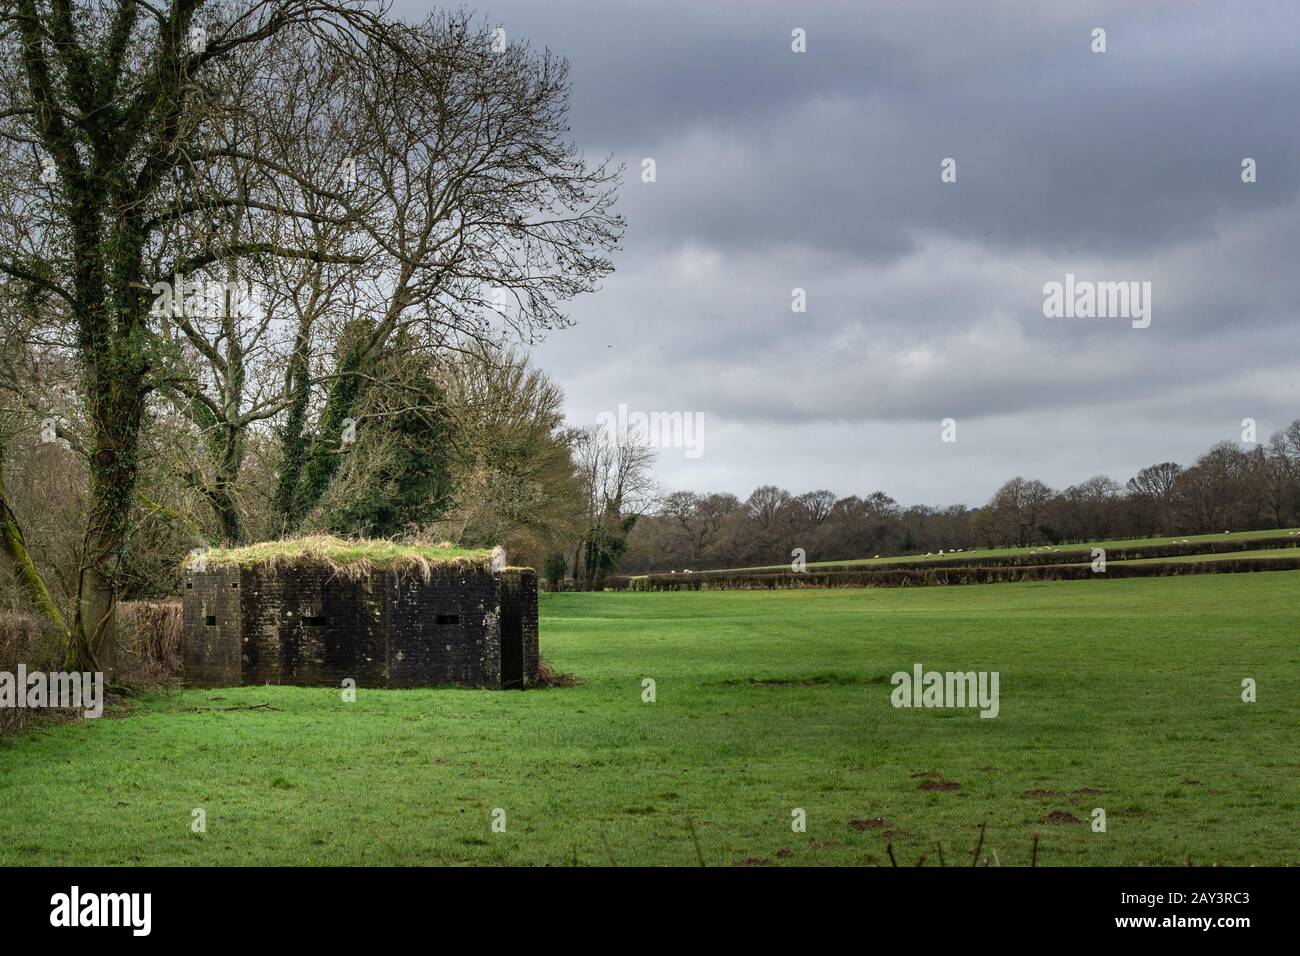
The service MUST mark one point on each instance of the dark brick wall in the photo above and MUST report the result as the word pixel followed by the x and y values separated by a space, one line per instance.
pixel 303 625
pixel 210 651
pixel 425 645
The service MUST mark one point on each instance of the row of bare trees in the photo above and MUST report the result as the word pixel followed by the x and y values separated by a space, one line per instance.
pixel 237 236
pixel 1229 488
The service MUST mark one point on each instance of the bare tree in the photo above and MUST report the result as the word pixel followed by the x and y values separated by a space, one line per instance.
pixel 1208 493
pixel 816 505
pixel 618 487
pixel 1016 510
pixel 1153 488
pixel 477 210
pixel 131 152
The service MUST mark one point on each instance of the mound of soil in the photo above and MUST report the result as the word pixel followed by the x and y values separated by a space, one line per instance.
pixel 878 823
pixel 1061 816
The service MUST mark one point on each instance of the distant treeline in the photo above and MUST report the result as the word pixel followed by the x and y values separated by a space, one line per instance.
pixel 1229 488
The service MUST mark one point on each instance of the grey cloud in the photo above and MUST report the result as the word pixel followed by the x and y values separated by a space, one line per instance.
pixel 821 171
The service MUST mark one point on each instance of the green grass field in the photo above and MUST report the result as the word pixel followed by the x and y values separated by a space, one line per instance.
pixel 766 702
pixel 1084 548
pixel 1234 556
pixel 1201 558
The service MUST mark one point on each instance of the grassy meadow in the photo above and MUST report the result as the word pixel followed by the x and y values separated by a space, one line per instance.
pixel 1125 696
pixel 1066 550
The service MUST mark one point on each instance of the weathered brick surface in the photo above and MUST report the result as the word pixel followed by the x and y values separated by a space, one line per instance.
pixel 426 647
pixel 210 615
pixel 303 625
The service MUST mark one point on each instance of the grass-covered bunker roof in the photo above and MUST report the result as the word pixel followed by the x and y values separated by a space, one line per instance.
pixel 353 558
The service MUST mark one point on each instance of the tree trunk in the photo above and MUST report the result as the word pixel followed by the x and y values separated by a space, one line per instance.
pixel 227 479
pixel 228 526
pixel 293 441
pixel 93 643
pixel 14 544
pixel 118 413
pixel 320 459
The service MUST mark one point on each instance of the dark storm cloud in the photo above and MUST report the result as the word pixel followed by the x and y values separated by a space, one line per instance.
pixel 821 171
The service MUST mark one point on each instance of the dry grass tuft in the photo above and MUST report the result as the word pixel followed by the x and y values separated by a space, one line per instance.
pixel 548 676
pixel 25 639
pixel 351 558
pixel 149 634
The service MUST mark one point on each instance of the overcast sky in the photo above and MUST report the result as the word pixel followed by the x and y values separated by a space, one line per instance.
pixel 820 170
